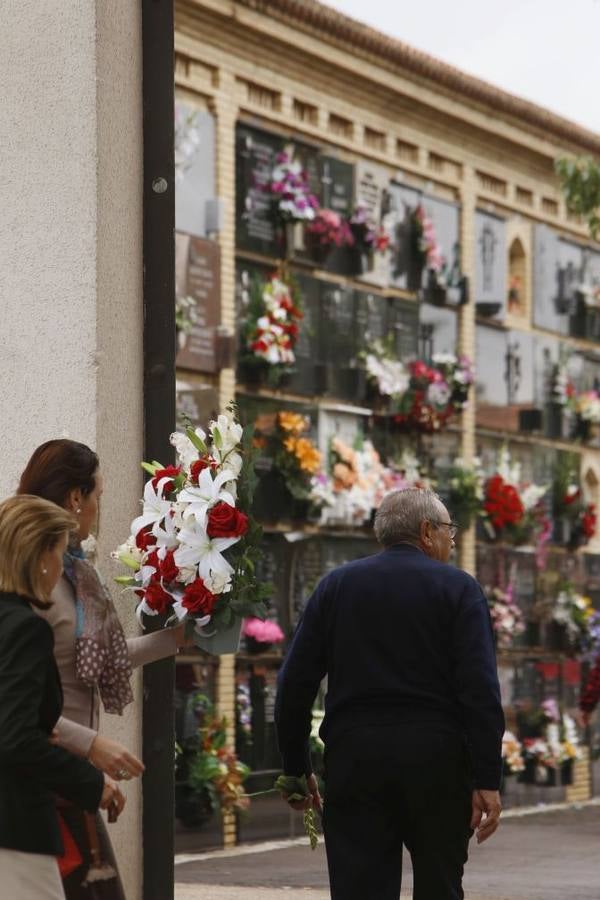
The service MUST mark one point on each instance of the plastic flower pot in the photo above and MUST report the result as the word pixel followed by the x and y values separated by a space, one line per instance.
pixel 556 637
pixel 562 530
pixel 252 372
pixel 527 776
pixel 255 647
pixel 553 420
pixel 434 292
pixel 581 429
pixel 221 642
pixel 488 309
pixel 271 498
pixel 566 772
pixel 192 808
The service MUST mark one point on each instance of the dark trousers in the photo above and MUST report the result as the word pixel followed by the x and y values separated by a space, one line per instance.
pixel 386 786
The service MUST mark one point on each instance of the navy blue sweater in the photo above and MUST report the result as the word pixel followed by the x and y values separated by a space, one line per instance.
pixel 401 638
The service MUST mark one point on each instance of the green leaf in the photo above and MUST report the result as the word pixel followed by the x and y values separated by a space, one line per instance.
pixel 151 468
pixel 126 580
pixel 196 441
pixel 129 561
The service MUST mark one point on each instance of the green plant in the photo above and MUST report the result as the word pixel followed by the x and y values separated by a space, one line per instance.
pixel 580 183
pixel 213 767
pixel 465 495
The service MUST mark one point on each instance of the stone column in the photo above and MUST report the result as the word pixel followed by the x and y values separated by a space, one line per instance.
pixel 225 110
pixel 71 250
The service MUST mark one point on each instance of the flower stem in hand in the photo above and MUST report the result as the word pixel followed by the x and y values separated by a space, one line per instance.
pixel 296 789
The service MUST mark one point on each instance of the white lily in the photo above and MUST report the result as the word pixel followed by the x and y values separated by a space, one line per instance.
pixel 154 507
pixel 166 535
pixel 144 575
pixel 143 609
pixel 227 434
pixel 208 492
pixel 197 549
pixel 186 451
pixel 232 464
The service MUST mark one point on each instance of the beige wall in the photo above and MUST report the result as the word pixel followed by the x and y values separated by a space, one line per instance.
pixel 71 251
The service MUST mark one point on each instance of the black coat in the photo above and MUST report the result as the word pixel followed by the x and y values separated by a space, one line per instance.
pixel 403 640
pixel 32 770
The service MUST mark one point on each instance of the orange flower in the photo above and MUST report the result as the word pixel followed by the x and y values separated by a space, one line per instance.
pixel 343 477
pixel 290 444
pixel 308 455
pixel 292 422
pixel 346 453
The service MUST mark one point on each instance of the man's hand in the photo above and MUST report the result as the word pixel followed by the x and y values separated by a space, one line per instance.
pixel 486 814
pixel 114 759
pixel 313 801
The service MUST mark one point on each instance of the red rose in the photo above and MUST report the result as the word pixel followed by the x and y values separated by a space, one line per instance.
pixel 157 598
pixel 169 472
pixel 226 521
pixel 198 599
pixel 144 539
pixel 199 465
pixel 167 568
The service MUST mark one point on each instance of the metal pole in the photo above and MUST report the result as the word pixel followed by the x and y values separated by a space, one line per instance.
pixel 159 418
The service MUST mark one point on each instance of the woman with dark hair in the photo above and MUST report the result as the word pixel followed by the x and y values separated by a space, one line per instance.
pixel 94 658
pixel 33 538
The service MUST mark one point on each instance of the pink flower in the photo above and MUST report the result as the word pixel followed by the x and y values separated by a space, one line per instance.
pixel 263 632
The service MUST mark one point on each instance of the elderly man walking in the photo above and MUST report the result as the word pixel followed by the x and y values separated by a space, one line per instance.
pixel 413 721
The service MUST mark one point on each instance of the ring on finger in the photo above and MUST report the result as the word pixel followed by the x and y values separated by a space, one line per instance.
pixel 123 774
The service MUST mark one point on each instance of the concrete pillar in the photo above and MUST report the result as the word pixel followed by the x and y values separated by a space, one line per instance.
pixel 71 250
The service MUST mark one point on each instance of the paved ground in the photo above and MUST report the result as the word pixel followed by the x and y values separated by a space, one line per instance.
pixel 545 856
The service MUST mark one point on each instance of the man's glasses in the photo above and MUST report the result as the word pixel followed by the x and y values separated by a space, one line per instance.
pixel 451 526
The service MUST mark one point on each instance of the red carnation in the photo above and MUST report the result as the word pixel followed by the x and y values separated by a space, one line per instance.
pixel 198 599
pixel 157 598
pixel 588 521
pixel 502 503
pixel 170 472
pixel 152 560
pixel 226 521
pixel 167 568
pixel 145 539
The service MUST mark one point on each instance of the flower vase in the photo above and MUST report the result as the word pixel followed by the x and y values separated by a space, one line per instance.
pixel 566 772
pixel 554 420
pixel 527 775
pixel 226 640
pixel 254 647
pixel 581 429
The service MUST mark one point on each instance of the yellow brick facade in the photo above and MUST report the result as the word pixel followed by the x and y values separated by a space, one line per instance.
pixel 244 64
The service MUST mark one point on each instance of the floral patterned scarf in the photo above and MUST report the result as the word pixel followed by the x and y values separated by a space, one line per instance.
pixel 101 653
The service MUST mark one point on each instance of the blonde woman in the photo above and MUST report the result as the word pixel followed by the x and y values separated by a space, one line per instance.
pixel 33 538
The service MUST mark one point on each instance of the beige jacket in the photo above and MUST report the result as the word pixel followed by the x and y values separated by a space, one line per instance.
pixel 78 725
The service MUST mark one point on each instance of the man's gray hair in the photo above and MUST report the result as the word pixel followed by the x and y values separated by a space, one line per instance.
pixel 400 514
